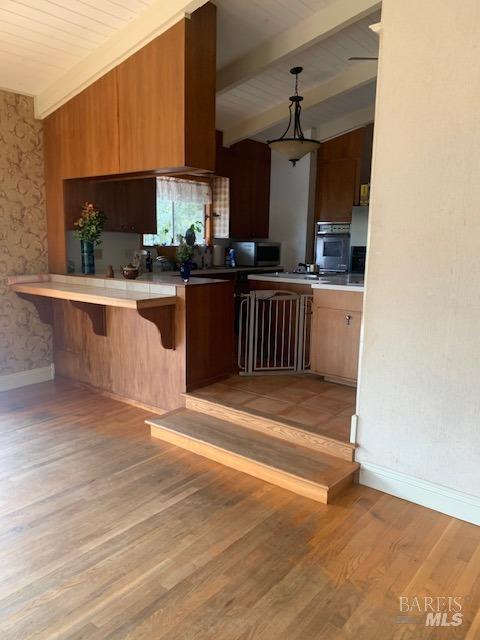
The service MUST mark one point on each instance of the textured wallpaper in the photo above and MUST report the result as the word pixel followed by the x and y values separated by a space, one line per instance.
pixel 25 342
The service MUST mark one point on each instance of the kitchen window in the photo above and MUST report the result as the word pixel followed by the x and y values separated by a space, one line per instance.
pixel 180 203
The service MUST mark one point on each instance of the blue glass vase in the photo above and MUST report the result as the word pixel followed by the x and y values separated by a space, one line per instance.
pixel 88 257
pixel 185 270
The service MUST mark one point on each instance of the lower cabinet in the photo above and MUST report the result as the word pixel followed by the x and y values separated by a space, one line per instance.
pixel 335 335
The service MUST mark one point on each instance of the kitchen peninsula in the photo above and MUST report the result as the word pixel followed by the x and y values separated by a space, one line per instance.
pixel 146 343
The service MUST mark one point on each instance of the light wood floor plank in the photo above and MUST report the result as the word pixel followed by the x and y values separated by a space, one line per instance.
pixel 108 534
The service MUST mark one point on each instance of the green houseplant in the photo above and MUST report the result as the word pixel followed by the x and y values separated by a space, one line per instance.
pixel 185 249
pixel 88 229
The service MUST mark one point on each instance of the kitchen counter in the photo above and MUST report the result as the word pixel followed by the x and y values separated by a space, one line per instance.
pixel 337 282
pixel 101 295
pixel 146 342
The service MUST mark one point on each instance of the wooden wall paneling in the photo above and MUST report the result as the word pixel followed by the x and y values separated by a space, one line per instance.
pixel 209 332
pixel 129 361
pixel 200 87
pixel 53 159
pixel 90 141
pixel 151 104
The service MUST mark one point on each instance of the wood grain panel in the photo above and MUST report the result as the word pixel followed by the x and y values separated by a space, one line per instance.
pixel 270 426
pixel 347 300
pixel 53 149
pixel 200 87
pixel 151 98
pixel 335 342
pixel 309 473
pixel 209 329
pixel 89 135
pixel 130 361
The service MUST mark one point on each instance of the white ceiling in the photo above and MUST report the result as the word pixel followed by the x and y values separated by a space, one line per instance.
pixel 321 62
pixel 244 24
pixel 41 39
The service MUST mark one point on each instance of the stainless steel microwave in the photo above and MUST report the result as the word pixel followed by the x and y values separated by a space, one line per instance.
pixel 257 253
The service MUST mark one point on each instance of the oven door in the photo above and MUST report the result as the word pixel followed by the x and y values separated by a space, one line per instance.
pixel 332 251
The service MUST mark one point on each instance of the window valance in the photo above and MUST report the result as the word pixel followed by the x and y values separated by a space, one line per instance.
pixel 180 190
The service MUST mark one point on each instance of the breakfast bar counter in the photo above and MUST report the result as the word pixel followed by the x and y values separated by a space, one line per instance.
pixel 147 343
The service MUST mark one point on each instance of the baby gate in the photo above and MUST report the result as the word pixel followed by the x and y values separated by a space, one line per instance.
pixel 274 332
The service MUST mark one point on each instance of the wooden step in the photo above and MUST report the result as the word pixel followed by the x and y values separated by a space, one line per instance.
pixel 309 473
pixel 283 429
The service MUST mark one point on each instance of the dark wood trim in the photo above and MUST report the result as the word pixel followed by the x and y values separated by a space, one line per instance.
pixel 96 313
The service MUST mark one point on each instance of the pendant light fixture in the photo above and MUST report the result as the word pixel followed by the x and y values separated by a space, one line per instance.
pixel 296 146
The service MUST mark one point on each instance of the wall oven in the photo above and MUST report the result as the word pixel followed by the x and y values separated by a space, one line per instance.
pixel 257 254
pixel 332 246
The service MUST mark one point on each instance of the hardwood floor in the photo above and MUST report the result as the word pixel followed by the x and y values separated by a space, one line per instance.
pixel 305 400
pixel 107 534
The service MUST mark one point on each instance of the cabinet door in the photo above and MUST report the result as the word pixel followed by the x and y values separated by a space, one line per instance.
pixel 335 342
pixel 141 205
pixel 249 173
pixel 337 185
pixel 89 130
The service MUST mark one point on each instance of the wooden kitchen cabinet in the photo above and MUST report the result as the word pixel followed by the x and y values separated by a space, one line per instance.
pixel 87 130
pixel 247 165
pixel 343 163
pixel 335 335
pixel 130 205
pixel 166 98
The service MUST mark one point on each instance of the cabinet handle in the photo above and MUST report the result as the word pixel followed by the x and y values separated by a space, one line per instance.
pixel 347 319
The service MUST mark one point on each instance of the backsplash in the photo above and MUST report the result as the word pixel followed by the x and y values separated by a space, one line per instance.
pixel 116 249
pixel 25 342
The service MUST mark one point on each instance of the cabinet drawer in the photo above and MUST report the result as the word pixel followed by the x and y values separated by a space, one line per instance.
pixel 345 300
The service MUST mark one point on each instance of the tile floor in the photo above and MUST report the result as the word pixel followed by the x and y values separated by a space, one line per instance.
pixel 305 400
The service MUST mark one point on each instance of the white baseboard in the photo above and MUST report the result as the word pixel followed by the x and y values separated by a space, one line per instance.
pixel 24 378
pixel 428 494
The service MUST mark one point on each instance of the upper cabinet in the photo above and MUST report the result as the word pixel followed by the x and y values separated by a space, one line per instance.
pixel 247 165
pixel 343 163
pixel 129 205
pixel 166 99
pixel 152 113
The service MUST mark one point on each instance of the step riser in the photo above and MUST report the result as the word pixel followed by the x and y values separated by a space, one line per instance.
pixel 271 428
pixel 277 477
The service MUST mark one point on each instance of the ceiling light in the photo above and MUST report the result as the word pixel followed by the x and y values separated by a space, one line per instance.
pixel 296 146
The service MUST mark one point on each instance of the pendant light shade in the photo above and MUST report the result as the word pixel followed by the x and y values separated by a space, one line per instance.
pixel 295 145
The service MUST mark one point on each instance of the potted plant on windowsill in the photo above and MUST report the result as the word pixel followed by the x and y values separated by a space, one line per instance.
pixel 88 230
pixel 185 249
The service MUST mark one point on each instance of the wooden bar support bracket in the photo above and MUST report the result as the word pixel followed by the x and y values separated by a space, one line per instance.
pixel 43 306
pixel 164 319
pixel 96 313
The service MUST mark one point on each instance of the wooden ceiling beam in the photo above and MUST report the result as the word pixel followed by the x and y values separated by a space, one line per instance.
pixel 320 25
pixel 356 76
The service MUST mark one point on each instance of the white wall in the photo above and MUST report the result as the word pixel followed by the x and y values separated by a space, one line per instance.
pixel 289 199
pixel 419 390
